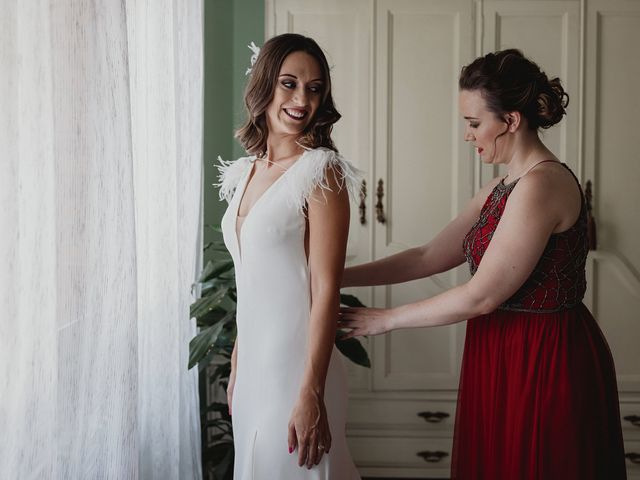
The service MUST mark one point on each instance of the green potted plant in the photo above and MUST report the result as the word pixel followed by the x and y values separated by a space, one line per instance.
pixel 215 314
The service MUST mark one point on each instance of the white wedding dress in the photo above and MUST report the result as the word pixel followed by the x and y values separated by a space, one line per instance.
pixel 274 302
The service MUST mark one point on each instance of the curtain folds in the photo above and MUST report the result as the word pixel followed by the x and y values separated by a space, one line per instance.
pixel 100 191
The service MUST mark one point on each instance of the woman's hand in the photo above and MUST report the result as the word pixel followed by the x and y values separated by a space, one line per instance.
pixel 365 321
pixel 309 429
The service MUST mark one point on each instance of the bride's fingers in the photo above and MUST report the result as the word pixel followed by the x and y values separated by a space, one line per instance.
pixel 324 444
pixel 303 451
pixel 292 438
pixel 314 451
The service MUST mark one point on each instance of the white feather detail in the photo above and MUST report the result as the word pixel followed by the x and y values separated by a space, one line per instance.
pixel 312 170
pixel 230 174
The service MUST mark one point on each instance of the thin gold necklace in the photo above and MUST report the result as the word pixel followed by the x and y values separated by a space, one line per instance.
pixel 265 159
pixel 272 163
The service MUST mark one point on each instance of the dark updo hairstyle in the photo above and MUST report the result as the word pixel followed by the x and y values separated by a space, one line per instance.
pixel 261 87
pixel 510 82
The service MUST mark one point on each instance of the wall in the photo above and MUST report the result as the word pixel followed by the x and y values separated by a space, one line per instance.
pixel 229 27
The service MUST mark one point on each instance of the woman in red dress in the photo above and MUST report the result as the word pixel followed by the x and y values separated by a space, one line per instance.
pixel 538 397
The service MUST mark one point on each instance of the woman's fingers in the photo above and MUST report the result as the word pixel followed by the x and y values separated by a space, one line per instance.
pixel 303 450
pixel 292 439
pixel 324 443
pixel 309 430
pixel 311 448
pixel 351 328
pixel 314 452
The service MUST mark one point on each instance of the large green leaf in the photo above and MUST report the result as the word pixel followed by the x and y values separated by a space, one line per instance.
pixel 201 343
pixel 218 437
pixel 206 304
pixel 350 300
pixel 219 423
pixel 208 450
pixel 222 371
pixel 216 407
pixel 215 269
pixel 208 268
pixel 220 281
pixel 226 340
pixel 354 351
pixel 213 316
pixel 215 228
pixel 224 469
pixel 218 460
pixel 205 361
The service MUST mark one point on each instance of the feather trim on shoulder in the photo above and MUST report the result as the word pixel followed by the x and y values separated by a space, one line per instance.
pixel 230 174
pixel 316 165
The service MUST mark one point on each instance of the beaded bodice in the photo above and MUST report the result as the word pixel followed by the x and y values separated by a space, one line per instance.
pixel 558 280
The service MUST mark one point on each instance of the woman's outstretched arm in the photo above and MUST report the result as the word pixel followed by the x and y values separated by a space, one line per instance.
pixel 515 249
pixel 442 253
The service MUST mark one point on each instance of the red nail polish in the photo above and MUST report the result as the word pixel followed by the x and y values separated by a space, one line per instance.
pixel 290 449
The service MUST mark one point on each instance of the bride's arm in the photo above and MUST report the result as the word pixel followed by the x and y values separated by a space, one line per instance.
pixel 328 226
pixel 439 255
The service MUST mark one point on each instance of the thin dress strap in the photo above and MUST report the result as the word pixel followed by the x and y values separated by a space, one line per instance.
pixel 565 166
pixel 529 169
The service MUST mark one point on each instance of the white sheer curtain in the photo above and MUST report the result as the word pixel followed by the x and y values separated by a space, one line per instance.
pixel 100 187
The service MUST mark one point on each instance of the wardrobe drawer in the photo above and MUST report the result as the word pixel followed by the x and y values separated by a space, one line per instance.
pixel 632 459
pixel 630 418
pixel 401 452
pixel 399 413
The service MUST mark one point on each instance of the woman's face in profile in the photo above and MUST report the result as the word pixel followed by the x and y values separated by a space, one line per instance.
pixel 483 128
pixel 297 95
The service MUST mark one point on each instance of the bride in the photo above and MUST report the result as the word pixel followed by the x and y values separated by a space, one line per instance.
pixel 286 228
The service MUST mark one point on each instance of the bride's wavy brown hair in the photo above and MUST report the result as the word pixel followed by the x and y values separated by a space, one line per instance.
pixel 261 87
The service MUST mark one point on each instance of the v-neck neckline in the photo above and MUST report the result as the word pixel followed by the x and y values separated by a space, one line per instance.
pixel 245 184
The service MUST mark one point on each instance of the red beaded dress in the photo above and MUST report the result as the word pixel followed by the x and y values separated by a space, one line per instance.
pixel 538 396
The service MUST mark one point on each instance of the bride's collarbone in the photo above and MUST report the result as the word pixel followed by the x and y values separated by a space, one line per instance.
pixel 257 185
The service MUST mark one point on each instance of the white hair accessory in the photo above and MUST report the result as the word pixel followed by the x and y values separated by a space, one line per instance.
pixel 256 51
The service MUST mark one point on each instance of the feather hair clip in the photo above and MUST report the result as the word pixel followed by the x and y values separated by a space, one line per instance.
pixel 254 57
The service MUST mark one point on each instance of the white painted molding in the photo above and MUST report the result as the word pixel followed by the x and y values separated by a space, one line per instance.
pixel 623 271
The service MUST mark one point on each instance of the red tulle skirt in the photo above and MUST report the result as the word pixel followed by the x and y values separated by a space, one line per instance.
pixel 537 400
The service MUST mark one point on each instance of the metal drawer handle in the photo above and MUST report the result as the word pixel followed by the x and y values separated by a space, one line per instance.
pixel 633 457
pixel 363 204
pixel 433 417
pixel 634 419
pixel 379 206
pixel 433 457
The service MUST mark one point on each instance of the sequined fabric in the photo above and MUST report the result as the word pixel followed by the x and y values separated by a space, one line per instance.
pixel 558 280
pixel 537 398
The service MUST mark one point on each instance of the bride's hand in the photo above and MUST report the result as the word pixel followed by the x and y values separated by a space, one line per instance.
pixel 309 429
pixel 365 321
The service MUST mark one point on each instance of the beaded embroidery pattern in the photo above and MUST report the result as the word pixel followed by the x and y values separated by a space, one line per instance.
pixel 558 281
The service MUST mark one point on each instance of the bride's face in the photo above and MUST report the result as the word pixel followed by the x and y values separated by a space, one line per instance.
pixel 297 95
